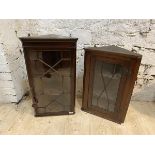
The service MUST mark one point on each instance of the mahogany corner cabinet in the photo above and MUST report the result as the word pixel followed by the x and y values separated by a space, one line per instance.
pixel 51 67
pixel 109 76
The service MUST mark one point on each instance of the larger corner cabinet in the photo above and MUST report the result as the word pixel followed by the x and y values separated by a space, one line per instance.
pixel 51 67
pixel 109 76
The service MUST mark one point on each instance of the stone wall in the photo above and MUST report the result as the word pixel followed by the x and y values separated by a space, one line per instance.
pixel 135 35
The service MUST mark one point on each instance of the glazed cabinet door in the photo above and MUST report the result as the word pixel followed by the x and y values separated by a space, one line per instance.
pixel 104 85
pixel 51 76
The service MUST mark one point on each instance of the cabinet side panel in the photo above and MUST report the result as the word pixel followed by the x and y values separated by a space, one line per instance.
pixel 135 63
pixel 73 80
pixel 86 77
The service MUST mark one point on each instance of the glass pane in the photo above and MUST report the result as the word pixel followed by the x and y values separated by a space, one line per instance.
pixel 105 85
pixel 51 76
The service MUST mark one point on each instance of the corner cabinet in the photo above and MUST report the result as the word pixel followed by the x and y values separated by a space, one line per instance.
pixel 51 67
pixel 109 76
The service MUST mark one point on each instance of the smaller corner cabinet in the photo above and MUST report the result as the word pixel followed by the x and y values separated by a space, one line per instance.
pixel 51 67
pixel 109 76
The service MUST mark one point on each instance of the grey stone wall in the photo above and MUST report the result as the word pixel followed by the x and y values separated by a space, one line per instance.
pixel 135 35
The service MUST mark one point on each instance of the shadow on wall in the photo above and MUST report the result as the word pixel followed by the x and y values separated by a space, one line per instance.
pixel 145 101
pixel 147 94
pixel 79 86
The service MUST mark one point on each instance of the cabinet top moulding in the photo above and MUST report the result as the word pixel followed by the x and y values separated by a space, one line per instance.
pixel 51 41
pixel 113 50
pixel 50 37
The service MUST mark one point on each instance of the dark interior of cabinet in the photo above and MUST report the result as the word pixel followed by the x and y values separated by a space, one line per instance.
pixel 51 75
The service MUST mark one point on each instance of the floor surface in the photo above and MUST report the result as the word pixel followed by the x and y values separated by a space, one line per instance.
pixel 19 119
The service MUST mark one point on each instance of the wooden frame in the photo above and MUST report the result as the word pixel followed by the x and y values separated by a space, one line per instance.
pixel 50 43
pixel 112 55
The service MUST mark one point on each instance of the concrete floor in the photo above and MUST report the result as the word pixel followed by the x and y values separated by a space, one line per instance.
pixel 19 119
